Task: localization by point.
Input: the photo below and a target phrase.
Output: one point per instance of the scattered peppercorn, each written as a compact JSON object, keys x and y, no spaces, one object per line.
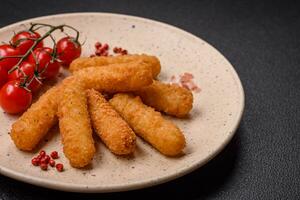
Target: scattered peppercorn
{"x":52,"y":163}
{"x":119,"y":50}
{"x":115,"y":49}
{"x":35,"y":161}
{"x":44,"y":166}
{"x":59,"y":167}
{"x":42,"y":153}
{"x":105,"y":46}
{"x":39,"y":157}
{"x":103,"y":50}
{"x":124,"y":52}
{"x":98,"y":45}
{"x":54,"y":154}
{"x":43,"y":160}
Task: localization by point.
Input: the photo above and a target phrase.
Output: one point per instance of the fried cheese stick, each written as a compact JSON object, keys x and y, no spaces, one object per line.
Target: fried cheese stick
{"x":97,"y":61}
{"x":74,"y":125}
{"x":122,"y":77}
{"x":34,"y":124}
{"x":109,"y":125}
{"x":171,"y":99}
{"x":149,"y":124}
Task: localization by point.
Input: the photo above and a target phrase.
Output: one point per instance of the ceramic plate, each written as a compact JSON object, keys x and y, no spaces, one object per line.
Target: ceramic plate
{"x":211,"y":124}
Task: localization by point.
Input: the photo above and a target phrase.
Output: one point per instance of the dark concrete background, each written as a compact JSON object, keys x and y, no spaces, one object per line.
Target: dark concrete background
{"x":260,"y":39}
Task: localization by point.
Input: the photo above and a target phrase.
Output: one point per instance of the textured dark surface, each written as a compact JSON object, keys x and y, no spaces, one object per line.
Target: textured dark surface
{"x":261,"y":40}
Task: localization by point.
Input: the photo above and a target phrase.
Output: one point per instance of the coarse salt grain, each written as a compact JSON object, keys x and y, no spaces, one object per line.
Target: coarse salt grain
{"x":186,"y":81}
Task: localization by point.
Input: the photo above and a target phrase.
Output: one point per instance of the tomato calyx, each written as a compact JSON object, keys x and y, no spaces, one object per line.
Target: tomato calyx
{"x":46,"y":63}
{"x":28,"y":76}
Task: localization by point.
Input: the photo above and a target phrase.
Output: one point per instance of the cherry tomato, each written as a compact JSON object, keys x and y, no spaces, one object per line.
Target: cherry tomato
{"x":3,"y":76}
{"x":47,"y":67}
{"x":7,"y":50}
{"x":13,"y":98}
{"x":24,"y":40}
{"x":28,"y":69}
{"x":68,"y":49}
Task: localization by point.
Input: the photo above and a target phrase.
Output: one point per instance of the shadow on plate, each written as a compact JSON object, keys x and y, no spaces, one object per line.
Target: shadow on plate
{"x":204,"y":182}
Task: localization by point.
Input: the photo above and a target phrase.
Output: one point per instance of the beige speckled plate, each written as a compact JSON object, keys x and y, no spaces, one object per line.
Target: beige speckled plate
{"x":216,"y":114}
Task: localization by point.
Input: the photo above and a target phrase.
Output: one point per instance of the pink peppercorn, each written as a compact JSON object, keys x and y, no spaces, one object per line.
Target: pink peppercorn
{"x":44,"y":166}
{"x":52,"y":163}
{"x":54,"y":154}
{"x":59,"y":167}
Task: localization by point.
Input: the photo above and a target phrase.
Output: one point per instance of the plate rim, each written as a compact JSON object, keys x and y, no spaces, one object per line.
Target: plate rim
{"x":52,"y":184}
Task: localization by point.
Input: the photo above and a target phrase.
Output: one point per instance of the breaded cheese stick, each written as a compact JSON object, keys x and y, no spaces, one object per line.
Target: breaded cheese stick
{"x":116,"y":78}
{"x":147,"y":123}
{"x":109,"y":125}
{"x":35,"y":123}
{"x":74,"y":125}
{"x":171,"y":99}
{"x":85,"y":62}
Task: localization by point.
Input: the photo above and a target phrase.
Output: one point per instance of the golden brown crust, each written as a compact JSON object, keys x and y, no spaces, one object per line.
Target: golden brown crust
{"x":34,"y":124}
{"x":74,"y":124}
{"x":165,"y":136}
{"x":171,"y":99}
{"x":109,"y":125}
{"x":116,"y":78}
{"x":99,"y":61}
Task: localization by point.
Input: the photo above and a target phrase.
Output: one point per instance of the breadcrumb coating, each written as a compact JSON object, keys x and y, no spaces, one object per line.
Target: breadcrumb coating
{"x":35,"y":123}
{"x":109,"y":125}
{"x":149,"y":124}
{"x":168,"y":98}
{"x":122,"y":77}
{"x":103,"y":61}
{"x":74,"y":124}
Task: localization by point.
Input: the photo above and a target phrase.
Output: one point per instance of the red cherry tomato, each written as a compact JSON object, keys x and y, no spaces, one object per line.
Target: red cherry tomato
{"x":28,"y":69}
{"x":13,"y":98}
{"x":7,"y":50}
{"x":68,"y":49}
{"x":3,"y":76}
{"x":24,"y":40}
{"x":48,"y":67}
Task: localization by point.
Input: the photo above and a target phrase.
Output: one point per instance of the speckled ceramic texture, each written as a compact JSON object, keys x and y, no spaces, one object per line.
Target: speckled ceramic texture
{"x":211,"y":124}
